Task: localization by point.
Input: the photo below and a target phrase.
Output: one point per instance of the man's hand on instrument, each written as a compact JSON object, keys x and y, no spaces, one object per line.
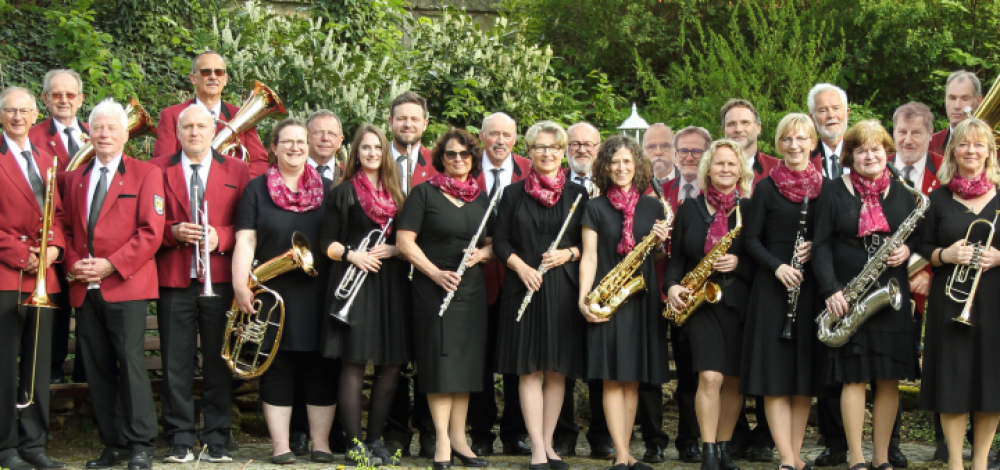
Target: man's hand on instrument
{"x":448,"y":280}
{"x":186,"y":232}
{"x":898,"y":256}
{"x":920,"y":282}
{"x":837,"y":304}
{"x":31,"y":266}
{"x":677,"y":297}
{"x":788,"y":276}
{"x":726,"y":263}
{"x":804,"y":252}
{"x":51,"y":253}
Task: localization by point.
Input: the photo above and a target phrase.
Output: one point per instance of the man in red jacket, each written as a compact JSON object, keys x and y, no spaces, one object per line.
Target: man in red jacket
{"x":208,"y":74}
{"x":113,"y":221}
{"x":408,"y":121}
{"x":741,"y":123}
{"x":962,"y":91}
{"x":193,"y":178}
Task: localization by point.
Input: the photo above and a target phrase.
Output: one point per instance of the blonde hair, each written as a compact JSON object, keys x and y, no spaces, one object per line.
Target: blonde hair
{"x":795,"y":122}
{"x":746,"y":176}
{"x":969,"y":129}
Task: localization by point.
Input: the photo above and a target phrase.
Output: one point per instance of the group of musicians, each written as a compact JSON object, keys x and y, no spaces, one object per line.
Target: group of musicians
{"x":467,"y":259}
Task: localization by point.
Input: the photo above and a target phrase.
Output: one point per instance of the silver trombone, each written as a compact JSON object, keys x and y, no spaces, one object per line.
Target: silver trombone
{"x":354,"y":277}
{"x":203,"y":263}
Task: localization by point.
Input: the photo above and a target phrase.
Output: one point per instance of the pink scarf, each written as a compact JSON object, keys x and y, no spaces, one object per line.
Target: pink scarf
{"x":377,"y":204}
{"x":310,"y":194}
{"x":872,"y":218}
{"x":625,"y":203}
{"x":970,"y":188}
{"x":722,"y":203}
{"x":796,"y":185}
{"x":545,"y":190}
{"x":467,"y":191}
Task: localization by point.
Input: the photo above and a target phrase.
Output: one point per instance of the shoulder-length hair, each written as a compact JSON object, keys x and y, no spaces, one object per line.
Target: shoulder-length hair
{"x":746,"y":176}
{"x":794,"y":122}
{"x":971,"y":129}
{"x":602,"y":165}
{"x":386,"y":169}
{"x":276,"y":136}
{"x":463,"y":137}
{"x":869,"y":131}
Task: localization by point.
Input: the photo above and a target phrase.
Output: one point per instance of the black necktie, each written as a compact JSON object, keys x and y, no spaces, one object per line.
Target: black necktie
{"x":908,"y":173}
{"x":496,"y":181}
{"x":688,"y":190}
{"x":95,"y":207}
{"x":197,"y":190}
{"x":322,"y":170}
{"x":835,"y":170}
{"x":583,"y":180}
{"x":37,"y":186}
{"x":71,"y":146}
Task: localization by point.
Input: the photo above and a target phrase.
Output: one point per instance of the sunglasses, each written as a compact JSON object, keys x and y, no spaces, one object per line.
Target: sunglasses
{"x":453,"y":155}
{"x":208,"y":72}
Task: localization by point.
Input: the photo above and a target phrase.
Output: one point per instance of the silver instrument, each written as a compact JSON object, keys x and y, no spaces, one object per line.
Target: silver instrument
{"x":793,"y":293}
{"x":834,"y":331}
{"x":965,"y":294}
{"x":354,"y":277}
{"x":203,"y":264}
{"x":468,"y":251}
{"x":552,"y":247}
{"x":409,"y":185}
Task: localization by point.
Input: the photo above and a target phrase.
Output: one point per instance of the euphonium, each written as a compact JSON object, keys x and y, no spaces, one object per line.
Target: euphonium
{"x":261,"y":103}
{"x":619,"y":284}
{"x":243,"y":328}
{"x":961,"y":274}
{"x":703,"y":290}
{"x":353,"y":278}
{"x":989,"y":109}
{"x":139,"y":123}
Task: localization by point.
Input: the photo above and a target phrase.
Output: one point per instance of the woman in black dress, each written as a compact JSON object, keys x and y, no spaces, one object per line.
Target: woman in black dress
{"x":715,"y":330}
{"x":961,"y":361}
{"x":437,"y":223}
{"x":288,"y":198}
{"x":630,"y":346}
{"x":545,"y":344}
{"x":784,"y":371}
{"x":856,"y":213}
{"x":378,"y":327}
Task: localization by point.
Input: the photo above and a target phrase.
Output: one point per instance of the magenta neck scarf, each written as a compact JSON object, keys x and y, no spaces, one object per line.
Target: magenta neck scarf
{"x":625,"y":202}
{"x":310,"y":194}
{"x":377,"y":204}
{"x":796,"y":185}
{"x":467,"y":191}
{"x":872,"y":218}
{"x":970,"y":188}
{"x":723,"y":203}
{"x":545,"y":190}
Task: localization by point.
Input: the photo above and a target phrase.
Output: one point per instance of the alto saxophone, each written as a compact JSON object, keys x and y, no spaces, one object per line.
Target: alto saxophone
{"x":697,"y":282}
{"x":834,"y":331}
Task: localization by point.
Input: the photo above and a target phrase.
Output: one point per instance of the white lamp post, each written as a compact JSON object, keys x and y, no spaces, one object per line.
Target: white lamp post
{"x":634,"y":126}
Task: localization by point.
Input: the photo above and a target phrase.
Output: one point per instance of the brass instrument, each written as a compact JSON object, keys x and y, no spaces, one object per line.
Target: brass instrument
{"x":261,"y":103}
{"x":39,"y":297}
{"x":203,"y":264}
{"x":243,"y":328}
{"x":961,"y":273}
{"x":703,"y":290}
{"x":354,"y":277}
{"x":619,"y":284}
{"x":468,"y":251}
{"x":989,"y":109}
{"x":139,"y":124}
{"x":834,"y":331}
{"x":793,"y":293}
{"x":552,"y":247}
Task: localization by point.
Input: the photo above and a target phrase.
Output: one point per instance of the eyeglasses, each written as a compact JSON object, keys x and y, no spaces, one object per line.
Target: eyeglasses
{"x":321,"y":134}
{"x":59,"y":96}
{"x":693,"y":152}
{"x":13,"y":111}
{"x":292,"y":143}
{"x":664,"y":147}
{"x":546,"y":148}
{"x":588,"y":146}
{"x":208,"y":72}
{"x":802,"y":140}
{"x":453,"y":155}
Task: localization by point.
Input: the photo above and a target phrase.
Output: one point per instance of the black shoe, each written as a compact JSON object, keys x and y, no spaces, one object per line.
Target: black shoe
{"x":540,"y":466}
{"x":41,"y":460}
{"x":319,"y":456}
{"x":481,"y":448}
{"x":471,"y":462}
{"x":109,"y":457}
{"x":140,"y":460}
{"x":725,"y":462}
{"x":558,"y":464}
{"x":299,"y":443}
{"x":179,"y":453}
{"x":761,"y":454}
{"x":284,"y":459}
{"x":218,"y":453}
{"x":428,"y":443}
{"x":620,"y":466}
{"x":515,"y":447}
{"x":710,"y":456}
{"x":378,"y":449}
{"x":441,"y":465}
{"x":565,"y":447}
{"x":941,"y":452}
{"x":359,"y":456}
{"x":640,"y":466}
{"x":602,"y":449}
{"x":896,"y":457}
{"x":689,"y":453}
{"x":830,"y":458}
{"x":14,"y":462}
{"x":654,"y":454}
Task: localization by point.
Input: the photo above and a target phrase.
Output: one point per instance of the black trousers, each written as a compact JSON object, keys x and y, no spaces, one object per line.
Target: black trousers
{"x":184,"y":316}
{"x":111,"y":335}
{"x":398,"y":428}
{"x":483,"y":405}
{"x":759,"y":435}
{"x":567,"y":431}
{"x":27,"y":430}
{"x":688,"y":431}
{"x":60,"y":332}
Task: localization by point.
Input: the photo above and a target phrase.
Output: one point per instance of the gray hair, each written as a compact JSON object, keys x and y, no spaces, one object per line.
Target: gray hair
{"x":912,"y":110}
{"x":198,"y":108}
{"x":324,"y":113}
{"x":109,"y":107}
{"x":546,"y":126}
{"x":584,"y":124}
{"x":194,"y":62}
{"x":47,"y":82}
{"x":700,"y":131}
{"x":5,"y":95}
{"x":962,"y":75}
{"x":498,"y":115}
{"x":823,"y":88}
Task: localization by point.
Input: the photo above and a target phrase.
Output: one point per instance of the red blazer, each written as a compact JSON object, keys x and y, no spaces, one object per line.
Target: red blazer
{"x":45,"y":137}
{"x":424,"y":169}
{"x":128,"y":231}
{"x":167,"y":143}
{"x":939,"y":140}
{"x":21,"y":223}
{"x":495,"y":270}
{"x":226,"y":180}
{"x":762,"y":166}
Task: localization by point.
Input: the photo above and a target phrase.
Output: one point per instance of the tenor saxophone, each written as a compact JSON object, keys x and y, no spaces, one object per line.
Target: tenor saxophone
{"x":834,"y":331}
{"x":703,"y":290}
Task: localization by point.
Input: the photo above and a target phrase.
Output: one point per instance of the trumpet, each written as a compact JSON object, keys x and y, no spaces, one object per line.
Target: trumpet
{"x":962,"y":271}
{"x":354,"y":277}
{"x":202,"y":263}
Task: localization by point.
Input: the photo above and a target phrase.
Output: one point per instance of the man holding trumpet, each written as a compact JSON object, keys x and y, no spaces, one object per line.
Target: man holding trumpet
{"x":195,"y":290}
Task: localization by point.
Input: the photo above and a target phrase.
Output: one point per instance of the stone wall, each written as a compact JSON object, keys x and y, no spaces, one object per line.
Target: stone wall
{"x":483,"y":11}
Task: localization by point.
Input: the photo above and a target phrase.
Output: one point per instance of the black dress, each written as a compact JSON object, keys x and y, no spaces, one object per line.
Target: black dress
{"x":632,"y":347}
{"x":773,"y":366}
{"x":303,"y":294}
{"x":550,"y":335}
{"x":961,"y":362}
{"x":380,"y":327}
{"x":882,"y":348}
{"x":715,"y":330}
{"x":450,"y":350}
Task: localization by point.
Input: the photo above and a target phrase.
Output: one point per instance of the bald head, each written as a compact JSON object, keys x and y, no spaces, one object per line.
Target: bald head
{"x":499,"y":134}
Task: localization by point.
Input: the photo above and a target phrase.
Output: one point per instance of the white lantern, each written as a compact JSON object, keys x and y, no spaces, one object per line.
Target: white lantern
{"x":634,"y":126}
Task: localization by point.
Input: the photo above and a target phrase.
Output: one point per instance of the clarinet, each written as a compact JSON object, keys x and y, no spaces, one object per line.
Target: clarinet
{"x":468,"y":251}
{"x":793,"y":293}
{"x":552,"y":247}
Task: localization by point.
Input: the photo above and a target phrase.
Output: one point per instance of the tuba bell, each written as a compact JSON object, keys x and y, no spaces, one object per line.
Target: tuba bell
{"x":261,"y":103}
{"x":139,"y":123}
{"x":245,"y":344}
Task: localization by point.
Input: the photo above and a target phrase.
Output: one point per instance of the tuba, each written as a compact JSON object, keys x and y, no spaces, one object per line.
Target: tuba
{"x":139,"y":123}
{"x":250,"y":330}
{"x":261,"y":103}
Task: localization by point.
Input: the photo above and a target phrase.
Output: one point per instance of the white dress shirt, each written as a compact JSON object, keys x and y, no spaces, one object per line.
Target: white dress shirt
{"x":16,"y":151}
{"x":578,"y":179}
{"x":215,"y":110}
{"x":95,"y":176}
{"x":695,"y":189}
{"x":827,"y":165}
{"x":916,"y":176}
{"x":413,"y":158}
{"x":77,"y":133}
{"x":328,"y":171}
{"x":506,"y":172}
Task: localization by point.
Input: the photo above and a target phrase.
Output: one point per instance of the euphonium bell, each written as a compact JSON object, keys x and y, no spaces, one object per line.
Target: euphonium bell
{"x":261,"y":103}
{"x":139,"y":123}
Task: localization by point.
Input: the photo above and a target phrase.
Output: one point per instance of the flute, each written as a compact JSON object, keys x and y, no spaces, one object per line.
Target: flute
{"x":541,"y":269}
{"x":468,"y":252}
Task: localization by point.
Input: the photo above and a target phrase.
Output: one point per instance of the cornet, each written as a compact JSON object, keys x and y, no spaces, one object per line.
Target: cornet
{"x":202,"y":260}
{"x":961,"y":274}
{"x":353,"y":277}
